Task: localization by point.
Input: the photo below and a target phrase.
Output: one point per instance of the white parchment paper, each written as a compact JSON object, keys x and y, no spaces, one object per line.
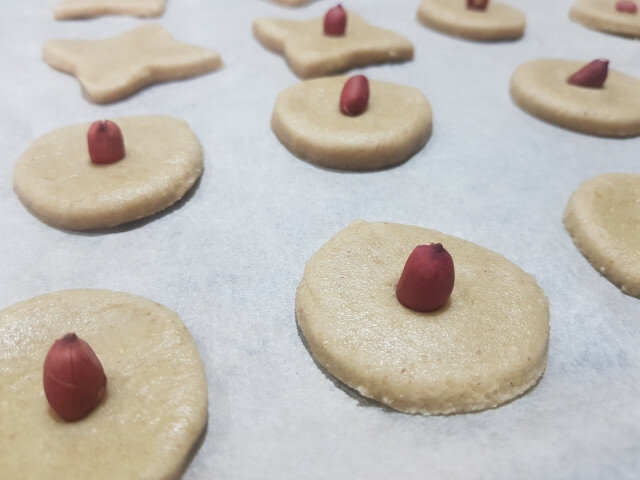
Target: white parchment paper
{"x":228,"y":259}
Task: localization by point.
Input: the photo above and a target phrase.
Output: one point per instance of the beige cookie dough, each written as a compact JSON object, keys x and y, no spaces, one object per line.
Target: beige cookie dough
{"x":69,"y":9}
{"x":292,"y":3}
{"x":310,"y":53}
{"x":156,"y":403}
{"x":540,"y":87}
{"x":56,"y":180}
{"x":603,"y":218}
{"x":395,"y":126}
{"x":602,"y":15}
{"x":115,"y":68}
{"x":497,"y":22}
{"x":486,"y":346}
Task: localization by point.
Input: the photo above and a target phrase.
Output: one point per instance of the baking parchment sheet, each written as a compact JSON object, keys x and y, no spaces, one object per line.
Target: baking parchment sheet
{"x":229,"y":257}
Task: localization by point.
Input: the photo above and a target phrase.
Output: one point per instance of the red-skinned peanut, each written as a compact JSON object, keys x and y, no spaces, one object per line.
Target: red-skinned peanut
{"x":74,"y":380}
{"x":626,"y":6}
{"x":355,"y":96}
{"x":427,"y":280}
{"x":335,"y":22}
{"x":593,"y":75}
{"x":477,"y":4}
{"x":106,"y":144}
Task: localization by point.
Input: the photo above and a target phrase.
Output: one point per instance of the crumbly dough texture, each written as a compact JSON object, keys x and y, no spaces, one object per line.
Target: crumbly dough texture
{"x":310,"y":53}
{"x":602,"y":15}
{"x":497,"y":22}
{"x":603,"y":218}
{"x":57,"y":182}
{"x":156,"y":403}
{"x":487,"y":345}
{"x":116,"y":67}
{"x":540,"y":87}
{"x":69,"y":9}
{"x":308,"y":121}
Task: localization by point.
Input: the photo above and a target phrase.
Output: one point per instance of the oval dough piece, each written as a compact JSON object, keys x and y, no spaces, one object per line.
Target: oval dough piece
{"x":292,"y":3}
{"x":603,"y":218}
{"x":602,"y":15}
{"x":487,"y":345}
{"x":69,"y":9}
{"x":540,"y":87}
{"x":56,"y":180}
{"x":497,"y":22}
{"x":156,"y":403}
{"x":395,"y":126}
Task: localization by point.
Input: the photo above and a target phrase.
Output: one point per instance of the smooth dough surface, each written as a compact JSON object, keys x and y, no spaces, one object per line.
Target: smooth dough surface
{"x":486,"y":346}
{"x":68,"y":9}
{"x":156,"y":403}
{"x":603,"y":218}
{"x":540,"y":87}
{"x":497,"y":22}
{"x":602,"y":15}
{"x":56,"y":180}
{"x":117,"y":67}
{"x":310,"y":53}
{"x":292,"y":3}
{"x":395,"y":126}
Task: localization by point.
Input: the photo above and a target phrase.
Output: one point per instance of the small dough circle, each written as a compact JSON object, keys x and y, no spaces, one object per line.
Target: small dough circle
{"x":540,"y":87}
{"x":602,"y":15}
{"x":395,"y":126}
{"x":156,"y":403}
{"x":487,"y":345}
{"x":603,"y":218}
{"x":497,"y":22}
{"x":57,"y":182}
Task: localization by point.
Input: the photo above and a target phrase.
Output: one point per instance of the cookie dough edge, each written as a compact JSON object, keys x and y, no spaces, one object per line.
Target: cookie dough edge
{"x":62,"y":11}
{"x":593,"y":22}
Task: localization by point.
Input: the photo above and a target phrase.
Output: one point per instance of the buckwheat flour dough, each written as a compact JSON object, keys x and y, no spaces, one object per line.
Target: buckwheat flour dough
{"x":540,"y":87}
{"x":156,"y":403}
{"x":602,"y":15}
{"x":56,"y":180}
{"x":483,"y":348}
{"x":395,"y":126}
{"x":603,"y":218}
{"x":310,"y":53}
{"x":68,"y":9}
{"x":497,"y":22}
{"x":116,"y":67}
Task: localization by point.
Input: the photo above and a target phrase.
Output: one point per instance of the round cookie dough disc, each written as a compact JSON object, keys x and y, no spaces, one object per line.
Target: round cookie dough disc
{"x":602,"y":15}
{"x":487,"y":345}
{"x":497,"y":22}
{"x":395,"y":126}
{"x":156,"y":403}
{"x":540,"y":87}
{"x":603,"y":218}
{"x":56,"y":180}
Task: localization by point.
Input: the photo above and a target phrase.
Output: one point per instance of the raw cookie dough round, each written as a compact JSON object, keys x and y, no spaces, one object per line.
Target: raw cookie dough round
{"x":487,"y":345}
{"x":602,"y":15}
{"x":56,"y":180}
{"x":395,"y":126}
{"x":292,"y":3}
{"x":497,"y":22}
{"x":540,"y":87}
{"x":69,"y":9}
{"x":603,"y":218}
{"x":156,"y":403}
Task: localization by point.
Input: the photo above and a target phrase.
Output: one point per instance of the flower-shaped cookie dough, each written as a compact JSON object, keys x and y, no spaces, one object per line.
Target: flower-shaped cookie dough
{"x":115,"y":68}
{"x":618,"y":18}
{"x":311,"y":53}
{"x":68,"y":9}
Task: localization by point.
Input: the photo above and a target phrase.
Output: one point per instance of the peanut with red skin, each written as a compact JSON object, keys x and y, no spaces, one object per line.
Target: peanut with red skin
{"x":355,"y":96}
{"x":105,"y":141}
{"x":592,"y":75}
{"x":335,"y":22}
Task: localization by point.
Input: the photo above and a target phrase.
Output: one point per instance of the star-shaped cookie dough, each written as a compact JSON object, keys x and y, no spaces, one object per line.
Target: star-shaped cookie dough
{"x":68,"y":9}
{"x":311,"y":53}
{"x":115,"y":68}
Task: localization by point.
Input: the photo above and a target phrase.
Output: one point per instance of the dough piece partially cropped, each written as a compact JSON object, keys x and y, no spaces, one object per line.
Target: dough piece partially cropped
{"x":156,"y":403}
{"x":497,"y":22}
{"x":69,"y":9}
{"x":395,"y":126}
{"x":56,"y":180}
{"x":603,"y":218}
{"x":310,"y":53}
{"x":602,"y":15}
{"x":117,"y":67}
{"x":292,"y":3}
{"x":487,"y":345}
{"x":540,"y":87}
